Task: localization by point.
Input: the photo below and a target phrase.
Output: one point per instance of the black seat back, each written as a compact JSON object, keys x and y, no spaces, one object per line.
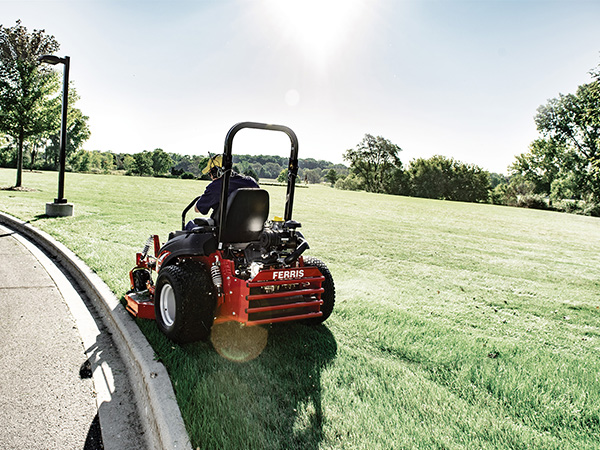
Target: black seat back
{"x":247,"y":211}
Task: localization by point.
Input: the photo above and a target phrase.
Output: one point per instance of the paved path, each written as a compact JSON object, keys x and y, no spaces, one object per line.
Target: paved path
{"x":60,"y":376}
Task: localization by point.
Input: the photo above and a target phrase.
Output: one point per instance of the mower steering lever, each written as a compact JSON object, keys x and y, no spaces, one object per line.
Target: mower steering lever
{"x":187,"y":208}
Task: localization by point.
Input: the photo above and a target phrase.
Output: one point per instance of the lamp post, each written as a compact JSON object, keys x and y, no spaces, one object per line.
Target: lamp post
{"x":60,"y":207}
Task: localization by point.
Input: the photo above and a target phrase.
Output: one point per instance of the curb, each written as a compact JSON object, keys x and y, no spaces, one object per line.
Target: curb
{"x":157,"y":407}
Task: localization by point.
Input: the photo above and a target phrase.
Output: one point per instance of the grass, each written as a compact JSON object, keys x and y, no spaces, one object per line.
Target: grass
{"x":457,"y":326}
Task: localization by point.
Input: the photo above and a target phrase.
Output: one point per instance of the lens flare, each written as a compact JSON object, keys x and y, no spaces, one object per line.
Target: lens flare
{"x":292,"y":97}
{"x":237,"y":342}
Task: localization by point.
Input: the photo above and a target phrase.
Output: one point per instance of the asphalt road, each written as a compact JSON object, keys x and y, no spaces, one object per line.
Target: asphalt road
{"x":62,"y":385}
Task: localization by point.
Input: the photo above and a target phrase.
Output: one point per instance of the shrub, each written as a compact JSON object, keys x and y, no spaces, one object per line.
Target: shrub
{"x":533,"y":201}
{"x":187,"y":176}
{"x":498,"y":195}
{"x":350,"y":183}
{"x":591,"y":209}
{"x":568,"y":206}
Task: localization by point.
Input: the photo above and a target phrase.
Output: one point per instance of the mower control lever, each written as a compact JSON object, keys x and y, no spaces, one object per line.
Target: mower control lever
{"x":187,"y":208}
{"x":292,"y":224}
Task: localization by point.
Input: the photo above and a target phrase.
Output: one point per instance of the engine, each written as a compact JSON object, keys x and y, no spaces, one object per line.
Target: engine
{"x":280,"y":245}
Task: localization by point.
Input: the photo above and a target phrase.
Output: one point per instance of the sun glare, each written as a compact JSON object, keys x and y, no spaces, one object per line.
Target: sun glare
{"x":317,"y":27}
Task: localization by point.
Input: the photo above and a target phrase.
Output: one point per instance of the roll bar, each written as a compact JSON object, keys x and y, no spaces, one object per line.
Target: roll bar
{"x":228,"y":164}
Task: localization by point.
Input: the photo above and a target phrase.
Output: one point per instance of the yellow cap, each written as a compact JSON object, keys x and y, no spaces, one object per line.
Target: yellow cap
{"x":277,"y":219}
{"x":215,"y":161}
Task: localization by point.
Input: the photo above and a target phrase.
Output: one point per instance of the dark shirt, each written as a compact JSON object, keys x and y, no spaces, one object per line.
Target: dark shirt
{"x":211,"y":198}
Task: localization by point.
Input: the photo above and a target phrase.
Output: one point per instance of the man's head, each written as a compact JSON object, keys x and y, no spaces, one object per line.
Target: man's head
{"x":214,"y":167}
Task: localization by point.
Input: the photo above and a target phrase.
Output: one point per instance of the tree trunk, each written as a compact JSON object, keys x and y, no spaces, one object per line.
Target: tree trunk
{"x":19,"y":161}
{"x":33,"y":155}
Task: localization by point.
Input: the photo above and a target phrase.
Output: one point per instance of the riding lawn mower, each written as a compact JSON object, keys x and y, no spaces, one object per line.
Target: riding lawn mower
{"x":242,"y":268}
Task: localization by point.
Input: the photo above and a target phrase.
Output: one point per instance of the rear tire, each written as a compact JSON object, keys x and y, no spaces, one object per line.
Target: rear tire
{"x":328,"y":296}
{"x":184,"y":302}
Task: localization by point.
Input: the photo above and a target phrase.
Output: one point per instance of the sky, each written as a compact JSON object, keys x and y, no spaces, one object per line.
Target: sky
{"x":456,"y":78}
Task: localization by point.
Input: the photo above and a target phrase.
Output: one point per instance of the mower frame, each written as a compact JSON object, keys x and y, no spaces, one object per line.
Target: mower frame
{"x":260,"y":282}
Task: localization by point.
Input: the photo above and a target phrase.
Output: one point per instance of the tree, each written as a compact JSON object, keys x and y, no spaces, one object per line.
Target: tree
{"x":570,"y":125}
{"x":78,"y":132}
{"x":469,"y":183}
{"x":5,"y":153}
{"x":446,"y":179}
{"x":251,"y":173}
{"x":374,"y":160}
{"x":26,"y":106}
{"x":142,"y":164}
{"x":270,"y":170}
{"x":283,"y":176}
{"x":108,"y":162}
{"x":349,"y":183}
{"x":429,"y":177}
{"x":81,"y":161}
{"x":542,"y":164}
{"x":331,"y":177}
{"x":128,"y":164}
{"x":313,"y":176}
{"x":161,"y":162}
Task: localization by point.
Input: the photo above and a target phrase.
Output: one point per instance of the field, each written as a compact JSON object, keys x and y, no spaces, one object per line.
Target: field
{"x":457,"y":326}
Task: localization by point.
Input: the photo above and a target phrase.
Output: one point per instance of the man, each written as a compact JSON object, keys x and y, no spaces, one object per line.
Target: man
{"x":211,"y":198}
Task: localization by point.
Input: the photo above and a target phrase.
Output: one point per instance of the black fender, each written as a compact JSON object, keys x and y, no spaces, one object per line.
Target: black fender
{"x":186,"y":244}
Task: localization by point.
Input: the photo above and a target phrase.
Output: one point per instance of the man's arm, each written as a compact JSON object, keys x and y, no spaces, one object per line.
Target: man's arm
{"x":209,"y":199}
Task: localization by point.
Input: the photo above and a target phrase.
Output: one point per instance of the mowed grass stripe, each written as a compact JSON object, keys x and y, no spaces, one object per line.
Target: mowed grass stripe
{"x":456,"y":325}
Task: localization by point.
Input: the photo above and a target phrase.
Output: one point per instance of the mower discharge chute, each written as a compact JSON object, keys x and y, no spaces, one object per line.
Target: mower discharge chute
{"x":244,"y":269}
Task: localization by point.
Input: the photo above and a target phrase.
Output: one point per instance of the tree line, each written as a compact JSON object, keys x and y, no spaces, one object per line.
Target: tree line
{"x":159,"y":163}
{"x":375,"y":166}
{"x":561,"y":169}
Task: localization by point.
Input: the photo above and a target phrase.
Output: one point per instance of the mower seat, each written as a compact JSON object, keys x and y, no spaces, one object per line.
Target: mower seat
{"x":247,"y":212}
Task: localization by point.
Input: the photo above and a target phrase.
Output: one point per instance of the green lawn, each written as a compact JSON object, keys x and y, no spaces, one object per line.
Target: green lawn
{"x":457,"y":326}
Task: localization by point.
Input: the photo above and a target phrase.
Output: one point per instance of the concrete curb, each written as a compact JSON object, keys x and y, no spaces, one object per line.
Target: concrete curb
{"x":157,"y":406}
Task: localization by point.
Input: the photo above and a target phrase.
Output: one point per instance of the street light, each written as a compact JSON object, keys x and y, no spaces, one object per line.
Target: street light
{"x":60,"y":207}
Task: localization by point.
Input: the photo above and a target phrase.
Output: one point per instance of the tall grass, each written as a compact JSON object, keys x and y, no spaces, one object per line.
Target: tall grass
{"x":457,"y":326}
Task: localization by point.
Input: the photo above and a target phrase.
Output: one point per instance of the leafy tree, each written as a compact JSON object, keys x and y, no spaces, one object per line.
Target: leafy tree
{"x":373,"y":161}
{"x":313,"y":176}
{"x":469,"y":183}
{"x":78,"y":132}
{"x":331,"y":177}
{"x":6,"y":157}
{"x":26,"y":106}
{"x":497,"y":179}
{"x":34,"y":144}
{"x":142,"y":164}
{"x":270,"y":170}
{"x":251,"y":173}
{"x":81,"y":161}
{"x":446,"y":179}
{"x":309,"y":163}
{"x":128,"y":164}
{"x":570,"y":125}
{"x":564,"y":187}
{"x":349,"y":183}
{"x":283,"y":176}
{"x":429,"y":177}
{"x":161,"y":162}
{"x":542,"y":164}
{"x":108,"y":162}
